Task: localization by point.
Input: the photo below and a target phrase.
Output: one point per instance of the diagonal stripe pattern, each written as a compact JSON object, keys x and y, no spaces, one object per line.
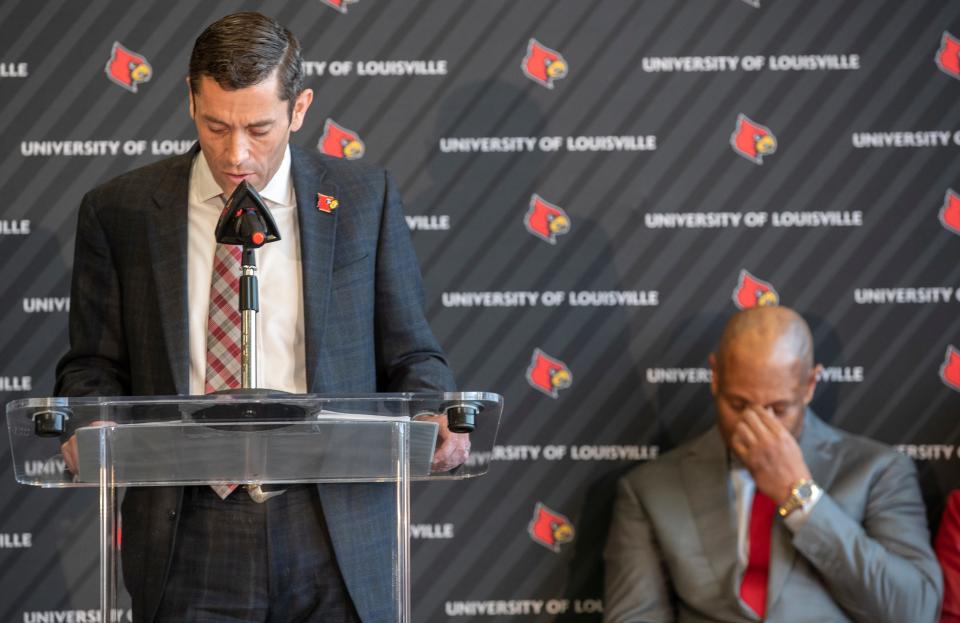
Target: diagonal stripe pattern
{"x":223,"y":321}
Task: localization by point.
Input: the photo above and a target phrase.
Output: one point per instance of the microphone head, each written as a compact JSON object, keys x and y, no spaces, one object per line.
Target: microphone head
{"x":246,"y":220}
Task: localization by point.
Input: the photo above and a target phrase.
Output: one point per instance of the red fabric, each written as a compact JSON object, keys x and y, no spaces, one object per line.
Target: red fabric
{"x":947,"y":546}
{"x":753,"y":588}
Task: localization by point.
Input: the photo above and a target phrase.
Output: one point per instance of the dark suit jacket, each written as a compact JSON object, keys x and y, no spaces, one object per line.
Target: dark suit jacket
{"x":364,"y":327}
{"x":863,"y":554}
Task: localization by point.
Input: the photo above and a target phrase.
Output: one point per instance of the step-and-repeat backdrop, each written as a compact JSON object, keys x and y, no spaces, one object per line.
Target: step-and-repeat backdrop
{"x":592,"y":189}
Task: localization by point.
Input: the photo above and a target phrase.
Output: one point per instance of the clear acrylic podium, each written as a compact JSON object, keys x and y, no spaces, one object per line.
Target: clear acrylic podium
{"x":248,"y":439}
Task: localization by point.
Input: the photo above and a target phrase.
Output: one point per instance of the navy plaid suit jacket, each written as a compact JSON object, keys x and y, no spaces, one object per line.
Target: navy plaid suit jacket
{"x":364,"y":327}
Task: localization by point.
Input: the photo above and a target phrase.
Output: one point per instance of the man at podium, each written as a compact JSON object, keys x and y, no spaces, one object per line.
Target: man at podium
{"x":342,"y":311}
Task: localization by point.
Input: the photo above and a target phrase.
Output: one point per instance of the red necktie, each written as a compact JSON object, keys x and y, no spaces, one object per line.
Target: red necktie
{"x":223,"y":329}
{"x":753,"y":588}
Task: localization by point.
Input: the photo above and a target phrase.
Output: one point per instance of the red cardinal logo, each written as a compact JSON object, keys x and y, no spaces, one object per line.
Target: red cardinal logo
{"x":547,"y":374}
{"x":126,"y":68}
{"x":340,"y":142}
{"x":948,"y":56}
{"x":326,"y":203}
{"x":950,"y":370}
{"x":340,"y":5}
{"x":549,"y":528}
{"x":545,"y":220}
{"x":950,"y":212}
{"x":753,"y":292}
{"x":752,"y":140}
{"x":543,"y":65}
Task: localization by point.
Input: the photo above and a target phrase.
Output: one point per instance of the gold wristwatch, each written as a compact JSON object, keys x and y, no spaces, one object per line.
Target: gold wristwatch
{"x":801,"y":494}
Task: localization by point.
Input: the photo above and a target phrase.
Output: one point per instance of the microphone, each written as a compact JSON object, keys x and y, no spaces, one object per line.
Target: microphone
{"x":246,"y":220}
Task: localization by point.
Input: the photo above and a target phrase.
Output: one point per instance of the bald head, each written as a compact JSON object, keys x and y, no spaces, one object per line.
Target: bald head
{"x":764,"y":363}
{"x":775,"y":332}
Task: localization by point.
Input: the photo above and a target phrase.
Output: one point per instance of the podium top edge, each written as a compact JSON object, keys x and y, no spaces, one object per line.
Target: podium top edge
{"x":279,"y":397}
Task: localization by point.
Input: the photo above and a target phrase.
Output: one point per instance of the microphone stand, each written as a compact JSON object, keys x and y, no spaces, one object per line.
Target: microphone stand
{"x":249,"y":308}
{"x":246,"y":221}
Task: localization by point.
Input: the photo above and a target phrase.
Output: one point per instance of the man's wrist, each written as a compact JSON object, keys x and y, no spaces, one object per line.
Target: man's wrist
{"x":803,"y":495}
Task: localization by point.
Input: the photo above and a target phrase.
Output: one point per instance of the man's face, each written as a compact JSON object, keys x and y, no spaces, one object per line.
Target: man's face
{"x":773,"y":382}
{"x":243,"y":133}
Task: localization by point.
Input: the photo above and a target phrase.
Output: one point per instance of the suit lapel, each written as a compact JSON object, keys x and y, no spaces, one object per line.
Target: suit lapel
{"x":317,"y":238}
{"x":818,"y":455}
{"x":706,"y":480}
{"x":167,"y":241}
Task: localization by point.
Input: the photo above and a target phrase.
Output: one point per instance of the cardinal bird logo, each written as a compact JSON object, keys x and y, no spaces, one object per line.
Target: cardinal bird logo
{"x":547,"y":374}
{"x":126,"y":68}
{"x":753,"y":292}
{"x":950,"y":370}
{"x":340,"y":5}
{"x":545,"y":220}
{"x":752,"y":140}
{"x":948,"y":56}
{"x":549,"y":528}
{"x":543,"y":65}
{"x":326,"y":203}
{"x":339,"y":142}
{"x":950,"y":212}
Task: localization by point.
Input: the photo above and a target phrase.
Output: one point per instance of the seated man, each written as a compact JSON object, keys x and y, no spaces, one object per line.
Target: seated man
{"x":772,"y":514}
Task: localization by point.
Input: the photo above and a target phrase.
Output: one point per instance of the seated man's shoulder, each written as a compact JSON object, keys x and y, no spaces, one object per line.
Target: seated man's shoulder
{"x":859,"y":450}
{"x":665,"y":468}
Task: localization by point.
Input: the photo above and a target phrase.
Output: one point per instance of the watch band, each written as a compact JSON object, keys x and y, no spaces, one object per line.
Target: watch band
{"x":801,"y":494}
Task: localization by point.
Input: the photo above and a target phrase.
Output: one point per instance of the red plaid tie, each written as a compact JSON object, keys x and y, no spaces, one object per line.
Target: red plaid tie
{"x":223,"y":321}
{"x":223,"y":329}
{"x":753,"y":588}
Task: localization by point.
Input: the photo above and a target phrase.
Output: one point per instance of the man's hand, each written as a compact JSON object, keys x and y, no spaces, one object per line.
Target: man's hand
{"x":452,"y":448}
{"x":69,"y":448}
{"x":770,"y":452}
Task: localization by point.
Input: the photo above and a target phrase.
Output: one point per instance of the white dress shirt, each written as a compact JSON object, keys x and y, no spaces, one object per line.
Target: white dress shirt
{"x":281,"y":358}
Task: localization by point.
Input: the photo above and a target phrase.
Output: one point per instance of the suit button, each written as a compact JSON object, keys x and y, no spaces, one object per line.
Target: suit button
{"x":172,"y":514}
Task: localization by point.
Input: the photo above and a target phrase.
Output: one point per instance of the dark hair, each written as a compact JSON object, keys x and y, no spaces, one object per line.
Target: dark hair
{"x":242,"y":50}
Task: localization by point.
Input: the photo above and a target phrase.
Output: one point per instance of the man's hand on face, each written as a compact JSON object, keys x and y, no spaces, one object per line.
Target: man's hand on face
{"x":769,"y":452}
{"x":452,"y":448}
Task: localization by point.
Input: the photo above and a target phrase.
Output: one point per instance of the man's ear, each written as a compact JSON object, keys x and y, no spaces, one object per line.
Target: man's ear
{"x":811,"y":383}
{"x":300,"y":106}
{"x":190,"y":104}
{"x":714,"y":374}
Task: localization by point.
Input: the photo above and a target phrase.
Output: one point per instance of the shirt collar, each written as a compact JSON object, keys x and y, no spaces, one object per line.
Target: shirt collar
{"x":279,"y":189}
{"x":203,"y":187}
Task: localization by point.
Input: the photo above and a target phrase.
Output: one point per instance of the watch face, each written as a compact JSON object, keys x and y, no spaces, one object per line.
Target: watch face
{"x":805,"y":490}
